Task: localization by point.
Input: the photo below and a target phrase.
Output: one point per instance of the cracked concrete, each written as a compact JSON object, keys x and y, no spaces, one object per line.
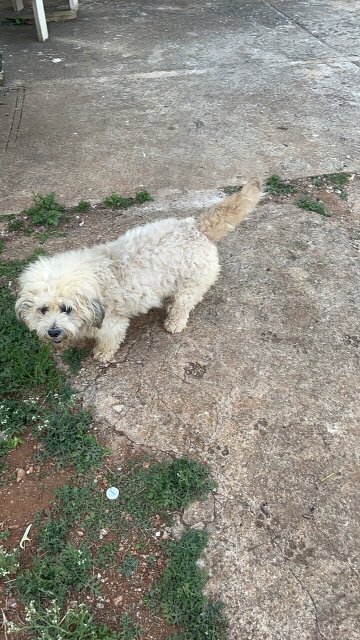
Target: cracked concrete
{"x":183,"y":97}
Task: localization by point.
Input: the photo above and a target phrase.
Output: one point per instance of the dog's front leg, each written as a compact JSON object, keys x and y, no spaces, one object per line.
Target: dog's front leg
{"x":109,"y":338}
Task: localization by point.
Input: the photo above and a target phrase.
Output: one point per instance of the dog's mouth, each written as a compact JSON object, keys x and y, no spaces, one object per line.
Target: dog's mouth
{"x":58,"y":339}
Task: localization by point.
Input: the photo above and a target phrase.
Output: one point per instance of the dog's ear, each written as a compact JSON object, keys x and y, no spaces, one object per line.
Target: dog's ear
{"x":97,"y":312}
{"x":22,"y":307}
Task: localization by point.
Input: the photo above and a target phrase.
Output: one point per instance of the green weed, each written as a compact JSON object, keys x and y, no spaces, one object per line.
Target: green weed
{"x":179,"y":592}
{"x":128,"y":565}
{"x":76,"y":623}
{"x":105,"y":556}
{"x":64,"y":432}
{"x":4,"y":534}
{"x":2,"y":246}
{"x":51,"y":577}
{"x":15,"y":224}
{"x":128,"y":629}
{"x":45,"y":211}
{"x":83,"y":207}
{"x":277,"y":186}
{"x":338,"y":180}
{"x":312,"y":205}
{"x":73,"y":357}
{"x":114,"y":201}
{"x":9,"y":562}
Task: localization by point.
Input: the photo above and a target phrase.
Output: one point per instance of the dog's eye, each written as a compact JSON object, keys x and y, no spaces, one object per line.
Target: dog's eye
{"x":65,"y":309}
{"x":44,"y":310}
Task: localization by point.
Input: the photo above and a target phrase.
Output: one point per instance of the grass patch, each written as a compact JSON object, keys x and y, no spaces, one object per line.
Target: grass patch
{"x":46,"y":211}
{"x":9,"y":562}
{"x":128,"y":565}
{"x":276,"y":186}
{"x":77,"y":623}
{"x":15,"y":224}
{"x":51,"y":577}
{"x":312,"y":205}
{"x":128,"y":629}
{"x":179,"y":593}
{"x":115,"y":201}
{"x":74,"y":356}
{"x":82,"y":207}
{"x":338,"y":180}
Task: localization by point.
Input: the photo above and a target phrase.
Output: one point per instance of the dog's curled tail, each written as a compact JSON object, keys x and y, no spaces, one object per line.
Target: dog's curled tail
{"x":224,"y":217}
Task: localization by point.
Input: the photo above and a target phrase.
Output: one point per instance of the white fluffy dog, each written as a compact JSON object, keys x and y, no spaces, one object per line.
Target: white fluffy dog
{"x":93,"y":292}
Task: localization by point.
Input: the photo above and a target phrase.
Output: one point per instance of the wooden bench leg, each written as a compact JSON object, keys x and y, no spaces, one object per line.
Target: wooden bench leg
{"x":40,"y":20}
{"x":18,"y":5}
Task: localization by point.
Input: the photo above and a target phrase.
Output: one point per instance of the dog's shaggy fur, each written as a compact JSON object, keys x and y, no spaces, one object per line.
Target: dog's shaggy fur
{"x":93,"y":292}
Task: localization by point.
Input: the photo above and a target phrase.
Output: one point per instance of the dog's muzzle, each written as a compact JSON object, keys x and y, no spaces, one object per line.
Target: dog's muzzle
{"x":56,"y":335}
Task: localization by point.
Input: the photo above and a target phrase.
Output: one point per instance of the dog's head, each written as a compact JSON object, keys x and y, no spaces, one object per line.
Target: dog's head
{"x":58,"y":297}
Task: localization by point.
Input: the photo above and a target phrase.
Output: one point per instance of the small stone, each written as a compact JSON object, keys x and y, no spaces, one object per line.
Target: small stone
{"x":103,"y":532}
{"x":80,"y":533}
{"x":30,"y":470}
{"x":117,"y":600}
{"x":20,"y":475}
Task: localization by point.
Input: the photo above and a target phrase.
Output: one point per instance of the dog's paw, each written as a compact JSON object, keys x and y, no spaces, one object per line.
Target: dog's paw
{"x":173,"y":325}
{"x":105,"y":357}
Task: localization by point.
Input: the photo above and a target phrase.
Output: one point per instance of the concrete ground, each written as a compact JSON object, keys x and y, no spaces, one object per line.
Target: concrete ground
{"x":184,"y":97}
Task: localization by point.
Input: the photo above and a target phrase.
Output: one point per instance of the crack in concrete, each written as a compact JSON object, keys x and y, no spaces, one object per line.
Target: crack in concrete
{"x":308,"y":592}
{"x":310,"y":33}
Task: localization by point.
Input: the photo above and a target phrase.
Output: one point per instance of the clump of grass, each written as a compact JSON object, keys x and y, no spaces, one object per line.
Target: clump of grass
{"x":143,"y":196}
{"x":51,"y":577}
{"x":82,"y":207}
{"x":179,"y":592}
{"x":173,"y":485}
{"x":128,"y":629}
{"x":338,"y":180}
{"x":64,"y":432}
{"x":74,"y":356}
{"x":9,"y":562}
{"x":128,"y":565}
{"x":312,"y":205}
{"x":4,"y":534}
{"x":105,"y":556}
{"x":2,"y":246}
{"x":46,"y":211}
{"x":276,"y":186}
{"x":77,"y":623}
{"x":114,"y":201}
{"x":15,"y":224}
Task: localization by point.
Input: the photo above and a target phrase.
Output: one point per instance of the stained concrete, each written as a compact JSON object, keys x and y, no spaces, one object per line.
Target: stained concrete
{"x":185,"y":95}
{"x":263,"y":384}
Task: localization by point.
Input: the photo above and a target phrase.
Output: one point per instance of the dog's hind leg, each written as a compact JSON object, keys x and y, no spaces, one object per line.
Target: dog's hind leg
{"x":184,"y":301}
{"x":109,"y":338}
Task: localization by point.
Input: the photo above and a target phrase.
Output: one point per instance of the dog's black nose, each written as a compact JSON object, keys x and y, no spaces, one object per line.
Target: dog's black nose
{"x":54,"y":333}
